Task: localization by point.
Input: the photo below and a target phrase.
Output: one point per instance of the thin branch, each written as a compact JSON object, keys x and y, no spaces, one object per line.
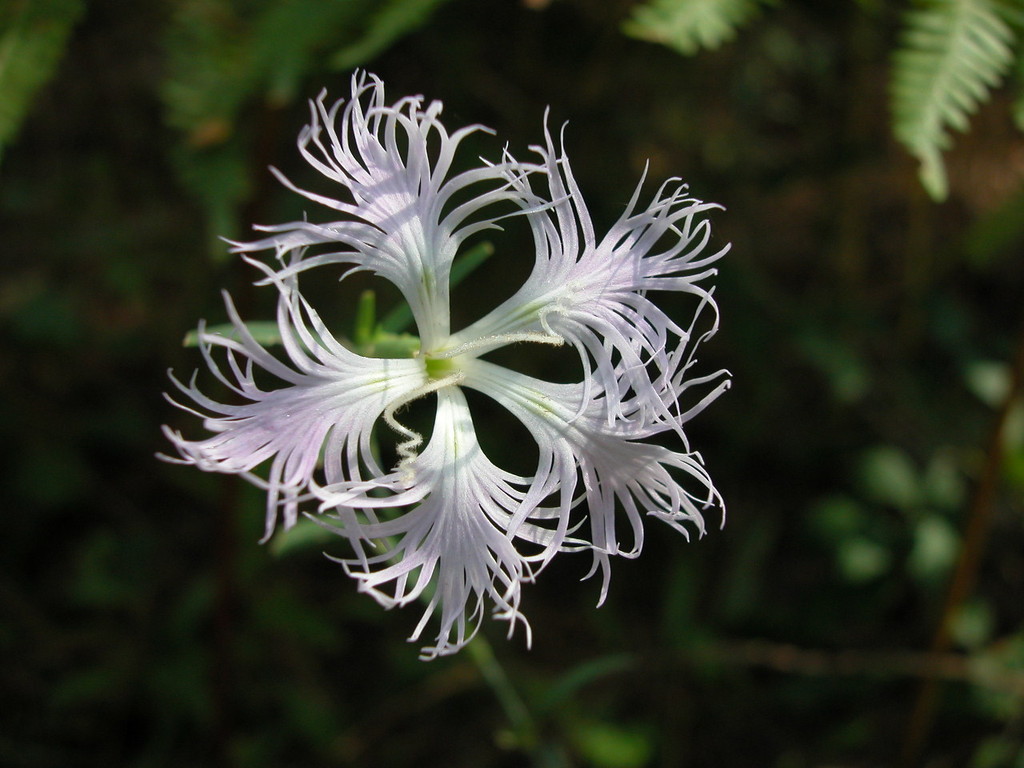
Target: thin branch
{"x":791,"y":659}
{"x":979,"y":522}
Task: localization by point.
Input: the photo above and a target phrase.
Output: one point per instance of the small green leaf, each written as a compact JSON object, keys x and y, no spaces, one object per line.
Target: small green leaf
{"x":305,"y":534}
{"x":890,"y":477}
{"x":266,"y":332}
{"x":366,"y":319}
{"x":469,"y":261}
{"x":578,"y":677}
{"x":399,"y":318}
{"x":973,"y":624}
{"x":936,"y":543}
{"x":944,"y":484}
{"x":933,"y":174}
{"x":392,"y":345}
{"x":393,"y":19}
{"x":605,"y":745}
{"x":861,"y":560}
{"x":989,"y":380}
{"x":839,"y":362}
{"x":834,"y":518}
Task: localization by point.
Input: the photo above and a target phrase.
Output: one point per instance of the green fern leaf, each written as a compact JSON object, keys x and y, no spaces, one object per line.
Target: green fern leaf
{"x":690,"y":25}
{"x":222,"y":54}
{"x":1018,"y":102}
{"x":390,"y":21}
{"x":952,"y":54}
{"x":32,"y":38}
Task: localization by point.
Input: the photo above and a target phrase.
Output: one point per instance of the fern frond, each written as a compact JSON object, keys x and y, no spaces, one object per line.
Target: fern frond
{"x":1018,"y":102}
{"x":690,"y":25}
{"x":391,"y":20}
{"x":953,"y":52}
{"x":33,"y":34}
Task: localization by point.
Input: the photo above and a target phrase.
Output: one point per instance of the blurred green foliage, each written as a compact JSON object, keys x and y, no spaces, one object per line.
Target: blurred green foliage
{"x":691,"y":26}
{"x":226,"y":58}
{"x":871,"y":334}
{"x":950,"y":56}
{"x":33,"y":34}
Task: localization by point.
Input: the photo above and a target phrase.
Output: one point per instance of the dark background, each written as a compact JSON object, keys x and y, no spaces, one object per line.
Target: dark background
{"x":871,"y":333}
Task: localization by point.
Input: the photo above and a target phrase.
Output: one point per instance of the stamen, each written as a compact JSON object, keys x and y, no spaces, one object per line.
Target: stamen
{"x":499,"y":340}
{"x":407,"y":448}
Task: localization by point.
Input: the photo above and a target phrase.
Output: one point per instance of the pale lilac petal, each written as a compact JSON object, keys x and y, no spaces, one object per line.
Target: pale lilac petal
{"x":324,"y":412}
{"x":591,"y":292}
{"x":394,"y":163}
{"x":617,"y":471}
{"x":452,"y":548}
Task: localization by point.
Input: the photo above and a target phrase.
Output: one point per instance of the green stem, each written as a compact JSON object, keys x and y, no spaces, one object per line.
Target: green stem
{"x":494,"y":674}
{"x":519,"y":716}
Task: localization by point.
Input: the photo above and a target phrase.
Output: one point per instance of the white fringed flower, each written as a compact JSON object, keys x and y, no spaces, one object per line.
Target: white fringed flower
{"x":445,"y":525}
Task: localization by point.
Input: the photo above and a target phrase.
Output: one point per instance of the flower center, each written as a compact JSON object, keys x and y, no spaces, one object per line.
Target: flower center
{"x":440,"y":367}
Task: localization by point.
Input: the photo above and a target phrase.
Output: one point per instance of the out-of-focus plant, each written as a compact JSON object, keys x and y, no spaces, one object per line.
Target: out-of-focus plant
{"x":950,"y":57}
{"x":33,"y":34}
{"x":223,"y":53}
{"x":690,"y":26}
{"x":952,"y":54}
{"x":226,"y":58}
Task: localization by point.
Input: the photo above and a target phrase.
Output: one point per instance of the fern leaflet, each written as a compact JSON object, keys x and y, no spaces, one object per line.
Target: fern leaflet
{"x":33,"y":34}
{"x":953,"y":52}
{"x":690,"y":25}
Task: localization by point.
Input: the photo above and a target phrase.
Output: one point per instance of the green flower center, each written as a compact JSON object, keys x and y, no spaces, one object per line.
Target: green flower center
{"x":439,"y":367}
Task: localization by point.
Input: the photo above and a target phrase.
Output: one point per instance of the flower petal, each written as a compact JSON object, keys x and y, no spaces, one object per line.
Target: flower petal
{"x":592,"y":293}
{"x":394,"y":162}
{"x":331,"y":399}
{"x":453,"y":548}
{"x":615,"y":467}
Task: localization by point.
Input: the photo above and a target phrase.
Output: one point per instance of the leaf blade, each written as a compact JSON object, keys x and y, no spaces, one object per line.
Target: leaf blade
{"x":689,"y":26}
{"x":33,"y":36}
{"x":953,"y":52}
